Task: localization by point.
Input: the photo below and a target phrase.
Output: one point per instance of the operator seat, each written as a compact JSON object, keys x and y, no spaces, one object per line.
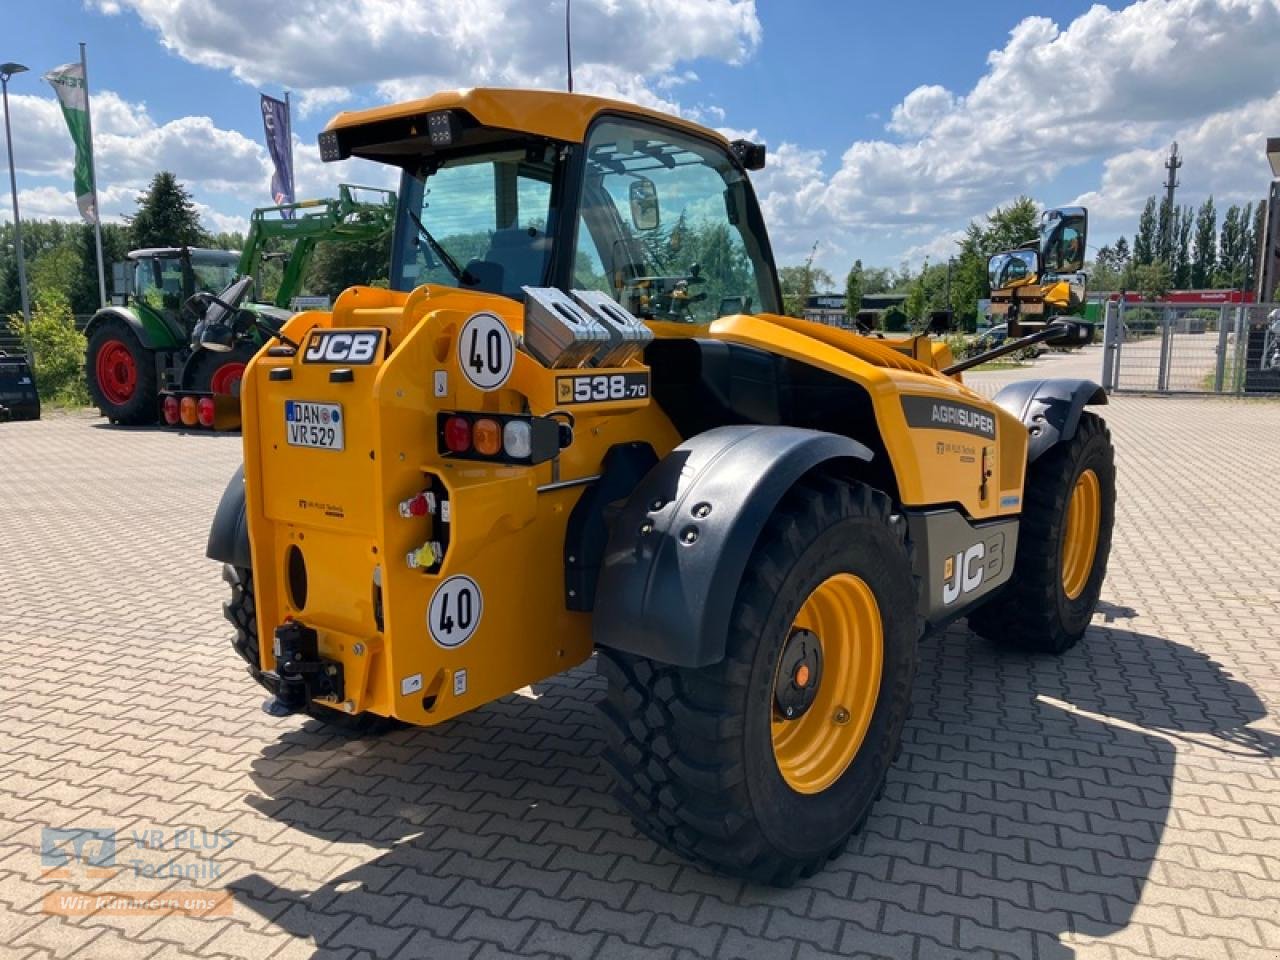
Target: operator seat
{"x":517,"y":257}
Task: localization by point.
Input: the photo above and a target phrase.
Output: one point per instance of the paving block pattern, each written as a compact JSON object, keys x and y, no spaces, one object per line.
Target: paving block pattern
{"x":1120,"y":802}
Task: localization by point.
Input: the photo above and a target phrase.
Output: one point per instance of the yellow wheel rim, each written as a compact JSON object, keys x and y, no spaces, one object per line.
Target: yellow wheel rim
{"x":1080,"y":539}
{"x":813,"y":750}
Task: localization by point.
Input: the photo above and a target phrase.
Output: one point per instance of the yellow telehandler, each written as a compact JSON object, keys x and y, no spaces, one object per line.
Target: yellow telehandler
{"x":578,"y":422}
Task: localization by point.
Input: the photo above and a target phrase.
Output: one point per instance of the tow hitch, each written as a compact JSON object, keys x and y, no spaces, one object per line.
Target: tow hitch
{"x":301,"y":675}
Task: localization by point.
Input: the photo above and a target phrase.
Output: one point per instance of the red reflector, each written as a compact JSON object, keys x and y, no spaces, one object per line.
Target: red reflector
{"x":171,"y":410}
{"x":204,"y":410}
{"x":457,"y":434}
{"x":187,"y":410}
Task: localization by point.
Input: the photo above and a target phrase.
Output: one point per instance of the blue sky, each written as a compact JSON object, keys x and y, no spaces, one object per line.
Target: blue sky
{"x":890,"y":126}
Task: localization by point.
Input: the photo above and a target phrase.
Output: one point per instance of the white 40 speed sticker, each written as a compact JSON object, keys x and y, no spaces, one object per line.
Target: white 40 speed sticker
{"x":455,"y":611}
{"x":602,"y":387}
{"x":486,"y":351}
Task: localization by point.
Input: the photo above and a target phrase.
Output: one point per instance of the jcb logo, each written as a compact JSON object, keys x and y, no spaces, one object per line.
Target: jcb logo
{"x":343,"y":346}
{"x":967,"y":570}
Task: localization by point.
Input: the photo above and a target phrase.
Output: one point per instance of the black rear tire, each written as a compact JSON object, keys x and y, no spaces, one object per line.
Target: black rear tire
{"x":203,"y":366}
{"x":1033,"y":612}
{"x":241,"y":612}
{"x":142,"y":404}
{"x":690,"y":750}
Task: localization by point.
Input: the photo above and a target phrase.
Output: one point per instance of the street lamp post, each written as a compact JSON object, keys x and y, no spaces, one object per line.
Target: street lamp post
{"x":7,"y":70}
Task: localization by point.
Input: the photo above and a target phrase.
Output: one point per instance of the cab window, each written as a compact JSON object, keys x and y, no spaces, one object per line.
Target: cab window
{"x":489,"y":215}
{"x":662,"y":226}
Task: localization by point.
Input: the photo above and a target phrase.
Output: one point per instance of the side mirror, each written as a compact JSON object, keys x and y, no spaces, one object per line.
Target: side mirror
{"x":1063,"y":233}
{"x":1077,"y":333}
{"x":1013,"y":268}
{"x":120,"y":276}
{"x":644,"y":204}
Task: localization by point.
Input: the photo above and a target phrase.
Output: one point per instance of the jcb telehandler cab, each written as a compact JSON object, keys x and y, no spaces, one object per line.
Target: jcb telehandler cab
{"x":578,"y":422}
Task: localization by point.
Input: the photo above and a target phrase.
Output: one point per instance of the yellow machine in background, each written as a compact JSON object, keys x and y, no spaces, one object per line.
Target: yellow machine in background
{"x":579,"y":422}
{"x":1042,"y":279}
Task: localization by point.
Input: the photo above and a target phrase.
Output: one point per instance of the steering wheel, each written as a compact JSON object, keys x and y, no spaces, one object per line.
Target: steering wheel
{"x":204,"y":301}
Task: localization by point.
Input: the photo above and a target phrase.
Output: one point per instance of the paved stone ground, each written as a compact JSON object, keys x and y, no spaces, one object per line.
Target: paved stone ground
{"x":1121,"y":802}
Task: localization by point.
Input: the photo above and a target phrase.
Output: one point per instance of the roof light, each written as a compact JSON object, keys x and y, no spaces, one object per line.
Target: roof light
{"x":440,"y":127}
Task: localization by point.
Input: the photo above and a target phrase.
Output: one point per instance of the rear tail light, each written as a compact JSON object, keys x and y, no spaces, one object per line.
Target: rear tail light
{"x":486,"y":436}
{"x":187,"y":411}
{"x":205,"y":411}
{"x":517,"y":439}
{"x":171,"y":410}
{"x":501,"y":438}
{"x":457,"y":434}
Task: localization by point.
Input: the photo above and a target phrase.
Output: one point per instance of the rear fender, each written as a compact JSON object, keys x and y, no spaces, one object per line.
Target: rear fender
{"x":229,"y":536}
{"x":1050,"y":408}
{"x":151,"y":333}
{"x":678,"y":549}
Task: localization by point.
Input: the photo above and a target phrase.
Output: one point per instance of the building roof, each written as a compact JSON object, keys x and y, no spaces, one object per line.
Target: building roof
{"x":546,"y":113}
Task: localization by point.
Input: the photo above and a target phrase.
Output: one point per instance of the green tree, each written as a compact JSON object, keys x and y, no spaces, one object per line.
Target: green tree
{"x":800,"y":283}
{"x":166,"y":216}
{"x":853,"y":291}
{"x":917,"y":297}
{"x":876,"y":280}
{"x":336,"y":266}
{"x":1105,"y":272}
{"x":56,"y":344}
{"x":1205,"y":253}
{"x":1011,"y":226}
{"x":1144,"y":241}
{"x":1181,"y":263}
{"x":1152,"y":280}
{"x":1230,"y":242}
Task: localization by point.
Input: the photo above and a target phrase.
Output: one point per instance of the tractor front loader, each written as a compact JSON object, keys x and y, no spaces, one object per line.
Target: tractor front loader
{"x":578,"y":422}
{"x":147,"y":359}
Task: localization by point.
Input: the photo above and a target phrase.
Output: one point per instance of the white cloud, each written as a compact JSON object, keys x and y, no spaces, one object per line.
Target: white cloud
{"x":318,"y":98}
{"x":1222,"y":155}
{"x":618,"y":47}
{"x":1113,"y":85}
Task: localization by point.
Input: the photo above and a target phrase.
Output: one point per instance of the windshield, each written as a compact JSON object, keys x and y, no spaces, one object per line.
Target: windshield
{"x":213,"y":275}
{"x":481,"y":221}
{"x":159,"y":282}
{"x":664,"y":226}
{"x":1006,"y":268}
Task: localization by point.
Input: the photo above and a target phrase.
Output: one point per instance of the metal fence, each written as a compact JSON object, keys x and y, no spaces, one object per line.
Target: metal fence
{"x":1183,"y":348}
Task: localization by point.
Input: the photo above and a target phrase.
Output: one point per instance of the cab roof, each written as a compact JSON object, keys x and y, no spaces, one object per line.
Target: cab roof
{"x":196,"y":252}
{"x":545,"y":113}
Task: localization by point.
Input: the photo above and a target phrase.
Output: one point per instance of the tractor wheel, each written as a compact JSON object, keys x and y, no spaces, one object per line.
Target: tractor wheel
{"x":764,"y":764}
{"x":242,"y":613}
{"x":121,"y":374}
{"x":1064,"y":539}
{"x":211,"y":372}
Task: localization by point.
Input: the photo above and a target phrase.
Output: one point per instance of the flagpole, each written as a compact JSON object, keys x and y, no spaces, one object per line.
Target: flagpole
{"x":288,"y":137}
{"x":93,"y":180}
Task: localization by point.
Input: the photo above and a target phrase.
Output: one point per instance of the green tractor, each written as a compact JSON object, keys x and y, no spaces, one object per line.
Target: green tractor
{"x":144,"y":354}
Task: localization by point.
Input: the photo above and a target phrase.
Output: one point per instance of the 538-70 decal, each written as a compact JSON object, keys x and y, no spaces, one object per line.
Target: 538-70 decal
{"x":602,"y":387}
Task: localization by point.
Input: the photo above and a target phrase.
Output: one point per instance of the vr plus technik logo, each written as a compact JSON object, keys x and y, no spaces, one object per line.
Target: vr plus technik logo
{"x":91,"y":848}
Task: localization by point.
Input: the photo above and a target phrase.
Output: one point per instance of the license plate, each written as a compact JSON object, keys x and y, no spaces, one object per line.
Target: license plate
{"x":313,"y":424}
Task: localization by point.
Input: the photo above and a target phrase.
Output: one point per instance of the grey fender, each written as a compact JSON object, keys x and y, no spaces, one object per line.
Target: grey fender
{"x":229,"y":536}
{"x":678,"y":549}
{"x":1050,"y":408}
